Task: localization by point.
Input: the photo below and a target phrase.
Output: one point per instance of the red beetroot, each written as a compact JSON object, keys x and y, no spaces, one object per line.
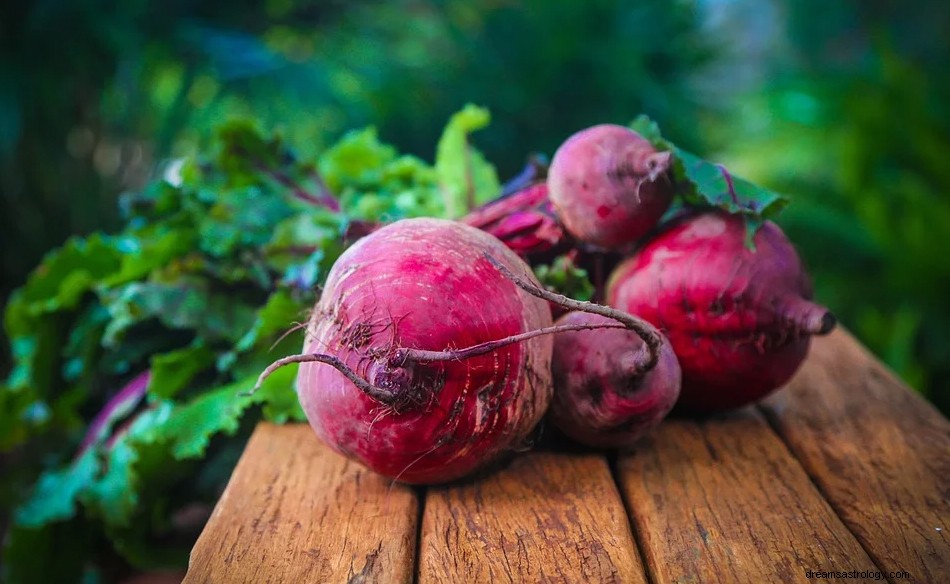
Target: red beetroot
{"x":739,"y":320}
{"x":609,"y":185}
{"x":425,"y":284}
{"x":603,"y":394}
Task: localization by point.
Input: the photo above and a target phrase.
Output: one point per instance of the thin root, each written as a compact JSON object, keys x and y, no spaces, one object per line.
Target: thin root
{"x":644,"y":330}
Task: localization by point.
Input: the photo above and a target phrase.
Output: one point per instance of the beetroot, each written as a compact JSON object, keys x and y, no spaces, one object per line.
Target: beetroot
{"x":609,"y":186}
{"x":423,"y":285}
{"x":604,"y":396}
{"x":739,"y":320}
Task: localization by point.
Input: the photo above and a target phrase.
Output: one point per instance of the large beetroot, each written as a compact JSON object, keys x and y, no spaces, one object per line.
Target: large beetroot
{"x":411,"y":288}
{"x":739,"y":320}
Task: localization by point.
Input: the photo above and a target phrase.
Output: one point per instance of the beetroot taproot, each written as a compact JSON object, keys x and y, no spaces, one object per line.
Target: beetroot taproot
{"x":738,"y":319}
{"x":609,"y":185}
{"x":604,"y":395}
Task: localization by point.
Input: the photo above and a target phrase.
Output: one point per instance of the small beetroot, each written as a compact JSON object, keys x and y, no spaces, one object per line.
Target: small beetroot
{"x":604,"y":396}
{"x":609,"y":185}
{"x":739,"y":320}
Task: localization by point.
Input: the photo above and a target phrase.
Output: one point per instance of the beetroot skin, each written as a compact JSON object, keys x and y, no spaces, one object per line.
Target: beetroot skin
{"x":609,"y":185}
{"x":602,"y":395}
{"x":739,"y":320}
{"x":425,"y":284}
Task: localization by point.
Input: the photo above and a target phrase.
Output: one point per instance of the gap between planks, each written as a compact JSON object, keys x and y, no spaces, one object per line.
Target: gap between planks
{"x":723,"y":500}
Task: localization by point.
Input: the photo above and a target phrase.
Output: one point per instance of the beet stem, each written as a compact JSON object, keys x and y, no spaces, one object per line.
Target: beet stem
{"x":643,"y":329}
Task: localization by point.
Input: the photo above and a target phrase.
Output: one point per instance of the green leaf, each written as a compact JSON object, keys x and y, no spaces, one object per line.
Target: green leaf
{"x":54,"y":497}
{"x":356,"y":160}
{"x":26,"y":397}
{"x":82,"y":345}
{"x":191,"y":426}
{"x":241,"y":219}
{"x":282,"y":311}
{"x":62,"y":278}
{"x":116,"y":492}
{"x":704,"y":183}
{"x":245,"y":152}
{"x":310,"y":241}
{"x":148,"y":249}
{"x":35,"y":354}
{"x":173,"y":371}
{"x":186,"y":304}
{"x":467,"y":179}
{"x":564,"y":277}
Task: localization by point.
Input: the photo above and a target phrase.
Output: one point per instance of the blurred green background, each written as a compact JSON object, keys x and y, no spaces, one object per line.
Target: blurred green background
{"x":844,"y":106}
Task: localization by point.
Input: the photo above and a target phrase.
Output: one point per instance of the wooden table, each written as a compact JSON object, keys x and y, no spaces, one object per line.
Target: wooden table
{"x":844,"y":470}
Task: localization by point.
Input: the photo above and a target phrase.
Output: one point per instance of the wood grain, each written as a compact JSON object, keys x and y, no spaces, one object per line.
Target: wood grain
{"x":294,"y":511}
{"x":879,"y":453}
{"x":546,"y":518}
{"x":724,"y":501}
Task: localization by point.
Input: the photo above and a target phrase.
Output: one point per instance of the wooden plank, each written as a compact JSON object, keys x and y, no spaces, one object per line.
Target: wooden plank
{"x":879,"y":453}
{"x":546,"y":518}
{"x":724,"y":501}
{"x":294,"y":511}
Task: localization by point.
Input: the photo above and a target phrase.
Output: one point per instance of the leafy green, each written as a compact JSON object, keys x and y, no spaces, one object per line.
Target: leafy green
{"x":467,"y":179}
{"x":565,"y":277}
{"x":281,"y":311}
{"x":375,"y":183}
{"x":63,"y":277}
{"x":55,"y":494}
{"x":187,"y":304}
{"x":704,"y":183}
{"x":172,"y":371}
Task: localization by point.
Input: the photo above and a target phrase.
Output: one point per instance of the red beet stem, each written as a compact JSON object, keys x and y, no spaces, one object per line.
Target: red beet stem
{"x":120,"y":405}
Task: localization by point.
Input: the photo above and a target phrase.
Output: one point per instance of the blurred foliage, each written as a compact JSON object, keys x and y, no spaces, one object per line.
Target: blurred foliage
{"x":93,"y":92}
